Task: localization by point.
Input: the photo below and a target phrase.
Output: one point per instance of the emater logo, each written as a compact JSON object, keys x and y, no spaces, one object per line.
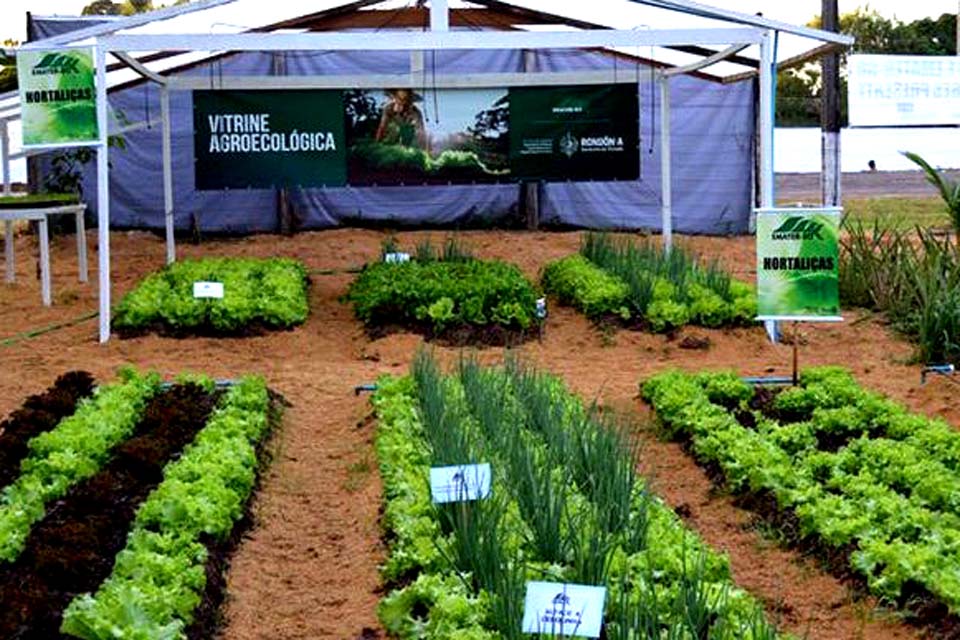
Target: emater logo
{"x":796,"y":228}
{"x":56,"y":63}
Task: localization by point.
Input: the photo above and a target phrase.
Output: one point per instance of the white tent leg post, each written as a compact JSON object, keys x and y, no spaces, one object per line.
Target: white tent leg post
{"x":5,"y":154}
{"x":43,"y":225}
{"x":666,"y":182}
{"x":767,"y":71}
{"x":8,"y":254}
{"x":439,"y":15}
{"x":103,"y":197}
{"x":167,"y":174}
{"x":766,"y":106}
{"x":8,"y":225}
{"x":82,"y":246}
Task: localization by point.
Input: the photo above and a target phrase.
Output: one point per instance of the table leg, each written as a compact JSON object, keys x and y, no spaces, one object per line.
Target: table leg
{"x":82,"y":247}
{"x":44,"y":262}
{"x":8,"y":251}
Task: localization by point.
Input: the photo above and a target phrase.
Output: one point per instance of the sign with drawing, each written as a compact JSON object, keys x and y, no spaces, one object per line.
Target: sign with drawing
{"x":563,"y":610}
{"x":460,"y":483}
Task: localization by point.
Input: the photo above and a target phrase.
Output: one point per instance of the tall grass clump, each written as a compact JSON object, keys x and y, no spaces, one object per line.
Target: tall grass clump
{"x":912,"y":276}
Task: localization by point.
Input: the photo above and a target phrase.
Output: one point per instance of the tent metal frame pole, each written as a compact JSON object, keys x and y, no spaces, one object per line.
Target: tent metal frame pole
{"x":9,"y":268}
{"x":439,"y":15}
{"x":767,"y":104}
{"x":103,"y":193}
{"x":167,"y":174}
{"x":666,"y":181}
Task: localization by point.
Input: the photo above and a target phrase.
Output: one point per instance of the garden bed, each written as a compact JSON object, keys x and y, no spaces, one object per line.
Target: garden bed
{"x":39,"y":414}
{"x":448,"y":296}
{"x":843,"y":472}
{"x":566,"y":506}
{"x":259,"y":295}
{"x":149,"y":528}
{"x":639,"y":285}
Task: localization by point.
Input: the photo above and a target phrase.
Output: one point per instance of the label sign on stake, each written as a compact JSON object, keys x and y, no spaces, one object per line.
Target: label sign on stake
{"x":207,"y":289}
{"x":460,"y":483}
{"x":396,"y":257}
{"x":798,"y":264}
{"x":563,"y":609}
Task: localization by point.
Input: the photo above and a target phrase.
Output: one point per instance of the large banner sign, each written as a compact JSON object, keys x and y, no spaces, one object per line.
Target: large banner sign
{"x":268,"y":138}
{"x":887,"y":90}
{"x":798,"y":264}
{"x":408,"y":136}
{"x":58,"y":101}
{"x":575,"y":133}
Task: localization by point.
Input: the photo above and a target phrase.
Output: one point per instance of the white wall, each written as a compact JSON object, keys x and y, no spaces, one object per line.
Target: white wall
{"x":797,"y":149}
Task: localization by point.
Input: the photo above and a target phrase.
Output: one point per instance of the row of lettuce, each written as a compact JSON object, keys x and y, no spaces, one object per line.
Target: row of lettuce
{"x":861,"y":479}
{"x":258,"y":294}
{"x":159,"y":577}
{"x":441,"y":288}
{"x":640,"y":282}
{"x":566,"y":506}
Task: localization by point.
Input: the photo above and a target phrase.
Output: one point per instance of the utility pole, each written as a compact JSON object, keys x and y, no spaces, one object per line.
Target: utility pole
{"x":830,"y":113}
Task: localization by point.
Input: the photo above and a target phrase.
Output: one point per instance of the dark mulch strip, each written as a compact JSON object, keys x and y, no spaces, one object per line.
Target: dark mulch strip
{"x":464,"y":335}
{"x":39,"y":413}
{"x":72,"y":550}
{"x":250,"y":330}
{"x":208,"y":616}
{"x":923,"y":608}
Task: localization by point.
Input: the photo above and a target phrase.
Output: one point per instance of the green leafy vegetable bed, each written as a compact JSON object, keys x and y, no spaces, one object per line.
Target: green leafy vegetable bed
{"x":258,"y":295}
{"x":566,"y":505}
{"x":93,"y":463}
{"x":847,"y":470}
{"x":641,"y":285}
{"x":462,"y":298}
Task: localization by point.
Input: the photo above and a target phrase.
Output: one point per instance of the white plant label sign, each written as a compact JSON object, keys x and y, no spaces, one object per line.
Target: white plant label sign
{"x":207,"y":289}
{"x":396,"y":257}
{"x":563,"y":609}
{"x":460,"y":483}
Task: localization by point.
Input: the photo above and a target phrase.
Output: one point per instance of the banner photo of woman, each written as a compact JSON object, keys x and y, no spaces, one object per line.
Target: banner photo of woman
{"x":405,"y":136}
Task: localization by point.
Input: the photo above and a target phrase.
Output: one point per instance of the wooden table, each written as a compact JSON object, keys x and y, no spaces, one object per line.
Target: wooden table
{"x":41,"y":214}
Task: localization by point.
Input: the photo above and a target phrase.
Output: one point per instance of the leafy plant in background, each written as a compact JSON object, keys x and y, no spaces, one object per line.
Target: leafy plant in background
{"x":948,"y":189}
{"x":441,"y":288}
{"x":270,"y":293}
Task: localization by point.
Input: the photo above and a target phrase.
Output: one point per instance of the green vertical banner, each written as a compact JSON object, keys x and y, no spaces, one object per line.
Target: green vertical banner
{"x":798,"y":264}
{"x":575,"y":132}
{"x":58,"y":101}
{"x":261,"y":139}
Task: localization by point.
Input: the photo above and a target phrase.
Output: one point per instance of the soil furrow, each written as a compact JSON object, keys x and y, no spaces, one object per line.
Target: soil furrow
{"x":72,"y":550}
{"x":39,"y":413}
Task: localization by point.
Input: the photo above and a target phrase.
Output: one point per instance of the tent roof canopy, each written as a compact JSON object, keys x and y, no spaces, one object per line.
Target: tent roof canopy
{"x":209,"y":27}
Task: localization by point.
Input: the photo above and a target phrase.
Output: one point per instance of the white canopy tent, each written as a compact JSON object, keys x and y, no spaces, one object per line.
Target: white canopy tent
{"x":731,"y":45}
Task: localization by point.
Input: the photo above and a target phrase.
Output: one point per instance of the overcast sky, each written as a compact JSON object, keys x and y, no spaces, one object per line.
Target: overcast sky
{"x":12,"y":12}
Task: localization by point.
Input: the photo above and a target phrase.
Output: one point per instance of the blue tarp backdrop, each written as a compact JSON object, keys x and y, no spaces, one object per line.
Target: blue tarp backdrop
{"x":713,"y":127}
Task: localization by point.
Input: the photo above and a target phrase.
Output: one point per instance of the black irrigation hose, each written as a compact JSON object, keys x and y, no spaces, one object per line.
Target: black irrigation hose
{"x":33,"y":333}
{"x":333,"y":272}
